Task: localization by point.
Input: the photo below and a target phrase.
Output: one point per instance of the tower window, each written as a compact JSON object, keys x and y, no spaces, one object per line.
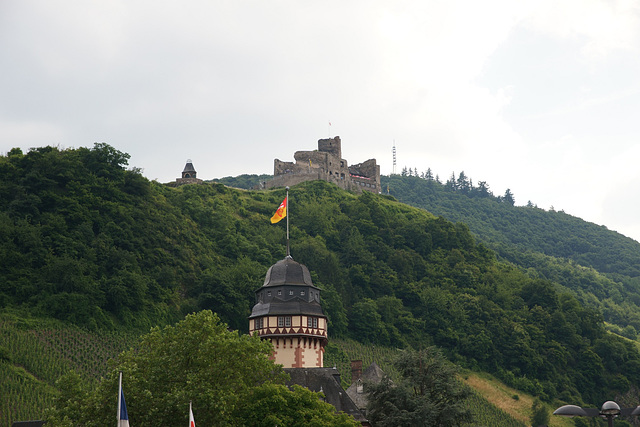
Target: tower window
{"x":312,"y":322}
{"x":279,"y":293}
{"x":290,"y":292}
{"x":268,"y":293}
{"x":302,"y":293}
{"x":284,"y":321}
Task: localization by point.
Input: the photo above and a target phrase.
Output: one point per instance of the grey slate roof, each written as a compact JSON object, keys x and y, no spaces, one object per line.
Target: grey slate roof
{"x":188,"y":167}
{"x":327,"y":380}
{"x":373,"y":374}
{"x":280,"y":307}
{"x":287,"y":272}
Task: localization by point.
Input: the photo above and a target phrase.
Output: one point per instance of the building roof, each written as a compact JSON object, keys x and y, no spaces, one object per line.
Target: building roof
{"x":280,"y":307}
{"x":373,"y":374}
{"x":326,"y":380}
{"x":188,"y":167}
{"x":288,"y":272}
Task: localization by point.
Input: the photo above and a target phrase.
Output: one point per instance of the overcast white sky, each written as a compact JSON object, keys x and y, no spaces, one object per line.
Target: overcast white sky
{"x":542,"y":97}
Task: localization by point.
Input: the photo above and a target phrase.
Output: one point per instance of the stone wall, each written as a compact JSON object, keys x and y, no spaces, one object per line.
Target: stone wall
{"x":326,"y":164}
{"x":331,"y":145}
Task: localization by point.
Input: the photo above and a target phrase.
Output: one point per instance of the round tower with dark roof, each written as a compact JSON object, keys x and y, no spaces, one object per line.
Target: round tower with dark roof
{"x":288,"y":313}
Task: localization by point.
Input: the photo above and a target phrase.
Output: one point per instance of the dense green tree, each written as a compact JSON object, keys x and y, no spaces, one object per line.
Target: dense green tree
{"x":483,"y":189}
{"x":428,"y":175}
{"x":452,"y":183}
{"x":539,"y":414}
{"x":427,"y":393}
{"x":463,"y":183}
{"x":508,"y":197}
{"x":272,"y":405}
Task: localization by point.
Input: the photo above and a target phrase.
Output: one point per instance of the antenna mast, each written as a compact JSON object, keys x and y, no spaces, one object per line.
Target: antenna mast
{"x":394,"y":157}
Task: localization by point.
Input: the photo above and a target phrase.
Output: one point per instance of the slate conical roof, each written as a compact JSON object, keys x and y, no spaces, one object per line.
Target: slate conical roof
{"x":287,"y":272}
{"x":188,"y":167}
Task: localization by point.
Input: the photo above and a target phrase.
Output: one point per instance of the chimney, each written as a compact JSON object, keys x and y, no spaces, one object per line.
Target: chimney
{"x":356,"y":370}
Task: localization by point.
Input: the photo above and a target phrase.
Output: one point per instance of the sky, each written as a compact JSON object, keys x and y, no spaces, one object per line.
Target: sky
{"x":541,"y":97}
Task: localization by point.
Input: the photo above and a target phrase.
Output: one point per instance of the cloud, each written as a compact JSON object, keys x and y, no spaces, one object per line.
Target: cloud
{"x":602,"y":27}
{"x":520,"y":94}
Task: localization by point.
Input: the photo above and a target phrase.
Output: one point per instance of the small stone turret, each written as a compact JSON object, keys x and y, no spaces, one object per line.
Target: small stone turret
{"x":189,"y":171}
{"x":188,"y":175}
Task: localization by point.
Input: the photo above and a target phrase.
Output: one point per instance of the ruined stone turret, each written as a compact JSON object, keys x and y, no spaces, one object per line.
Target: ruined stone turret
{"x":326,"y":164}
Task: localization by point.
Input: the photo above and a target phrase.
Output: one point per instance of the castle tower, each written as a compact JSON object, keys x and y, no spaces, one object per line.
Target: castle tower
{"x":288,"y":313}
{"x":331,"y":146}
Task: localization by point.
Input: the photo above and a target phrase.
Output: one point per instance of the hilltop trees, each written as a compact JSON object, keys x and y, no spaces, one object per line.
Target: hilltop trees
{"x":508,"y":197}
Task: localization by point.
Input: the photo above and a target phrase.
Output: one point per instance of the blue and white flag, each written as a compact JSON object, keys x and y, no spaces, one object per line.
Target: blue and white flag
{"x":123,"y":415}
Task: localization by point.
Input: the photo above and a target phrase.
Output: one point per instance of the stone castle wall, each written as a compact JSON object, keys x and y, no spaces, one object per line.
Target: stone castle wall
{"x":326,"y":164}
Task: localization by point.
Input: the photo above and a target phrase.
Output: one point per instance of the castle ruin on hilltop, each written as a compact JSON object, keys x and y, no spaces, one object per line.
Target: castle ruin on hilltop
{"x":326,"y":164}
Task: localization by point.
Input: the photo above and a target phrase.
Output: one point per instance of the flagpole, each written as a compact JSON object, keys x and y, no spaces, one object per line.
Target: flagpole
{"x":119,"y":397}
{"x":288,"y":213}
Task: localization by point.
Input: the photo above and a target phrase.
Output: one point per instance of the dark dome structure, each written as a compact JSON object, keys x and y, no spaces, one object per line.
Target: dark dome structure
{"x":287,"y":272}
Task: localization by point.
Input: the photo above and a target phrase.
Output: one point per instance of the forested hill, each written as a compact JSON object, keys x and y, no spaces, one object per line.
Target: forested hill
{"x":85,"y":240}
{"x":550,"y":242}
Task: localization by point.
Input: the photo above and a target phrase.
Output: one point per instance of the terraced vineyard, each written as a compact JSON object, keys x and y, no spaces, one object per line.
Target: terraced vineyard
{"x":33,"y":357}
